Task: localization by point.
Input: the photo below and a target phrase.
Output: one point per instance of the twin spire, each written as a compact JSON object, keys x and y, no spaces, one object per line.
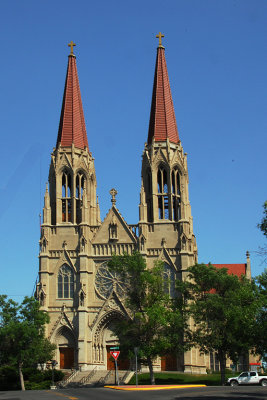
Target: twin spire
{"x":72,"y":128}
{"x":162,"y":125}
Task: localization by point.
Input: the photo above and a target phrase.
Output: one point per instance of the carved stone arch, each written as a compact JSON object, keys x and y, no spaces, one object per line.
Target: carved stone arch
{"x":80,"y":169}
{"x":64,"y":335}
{"x":183,"y":242}
{"x":65,"y":167}
{"x":99,"y":344}
{"x":142,"y":242}
{"x":104,"y":322}
{"x":163,"y":164}
{"x":43,"y":243}
{"x":42,"y":297}
{"x":177,"y":166}
{"x":66,"y":342}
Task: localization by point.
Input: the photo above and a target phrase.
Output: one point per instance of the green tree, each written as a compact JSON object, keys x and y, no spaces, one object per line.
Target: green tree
{"x":223,"y":309}
{"x":154,"y":319}
{"x":261,"y":318}
{"x":263,"y":227}
{"x":263,"y":224}
{"x":22,"y":340}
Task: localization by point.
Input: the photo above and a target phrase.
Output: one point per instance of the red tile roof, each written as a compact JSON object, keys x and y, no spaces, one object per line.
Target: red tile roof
{"x":72,"y":126}
{"x":162,"y":123}
{"x":235,"y":269}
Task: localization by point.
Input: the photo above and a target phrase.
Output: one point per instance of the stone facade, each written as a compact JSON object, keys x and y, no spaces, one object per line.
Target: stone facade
{"x":82,"y":297}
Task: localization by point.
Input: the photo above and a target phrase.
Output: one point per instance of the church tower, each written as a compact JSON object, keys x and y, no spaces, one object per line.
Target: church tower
{"x":83,"y":298}
{"x":165,"y":220}
{"x":70,"y":216}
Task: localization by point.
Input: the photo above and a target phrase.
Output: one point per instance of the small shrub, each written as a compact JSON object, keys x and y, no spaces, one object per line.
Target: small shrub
{"x":9,"y":378}
{"x":37,"y":385}
{"x":58,"y":375}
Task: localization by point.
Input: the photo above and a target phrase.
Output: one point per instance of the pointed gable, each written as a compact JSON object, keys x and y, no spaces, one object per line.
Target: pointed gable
{"x":72,"y":125}
{"x":162,"y":125}
{"x":124,"y":234}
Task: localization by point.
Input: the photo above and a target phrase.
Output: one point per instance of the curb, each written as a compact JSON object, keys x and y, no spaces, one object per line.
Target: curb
{"x":154,"y":387}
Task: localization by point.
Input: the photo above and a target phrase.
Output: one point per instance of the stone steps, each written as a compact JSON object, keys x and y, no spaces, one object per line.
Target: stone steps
{"x":95,"y":378}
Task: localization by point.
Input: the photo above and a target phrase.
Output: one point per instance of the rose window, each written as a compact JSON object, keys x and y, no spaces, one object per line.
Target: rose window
{"x":106,"y":281}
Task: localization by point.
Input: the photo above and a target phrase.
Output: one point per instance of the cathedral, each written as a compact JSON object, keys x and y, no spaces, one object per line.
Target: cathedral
{"x":83,"y":298}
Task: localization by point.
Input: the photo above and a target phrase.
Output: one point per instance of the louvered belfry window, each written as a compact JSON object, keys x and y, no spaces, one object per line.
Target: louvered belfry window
{"x":163,"y":198}
{"x":66,"y":197}
{"x":79,"y":195}
{"x":176,"y":195}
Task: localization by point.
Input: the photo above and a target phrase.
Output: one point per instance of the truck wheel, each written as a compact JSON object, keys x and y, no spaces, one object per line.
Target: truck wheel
{"x":234,"y":383}
{"x":264,"y":382}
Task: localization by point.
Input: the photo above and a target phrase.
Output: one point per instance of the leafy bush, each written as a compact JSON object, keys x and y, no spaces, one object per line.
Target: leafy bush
{"x":37,"y":385}
{"x":34,"y":378}
{"x":9,"y":378}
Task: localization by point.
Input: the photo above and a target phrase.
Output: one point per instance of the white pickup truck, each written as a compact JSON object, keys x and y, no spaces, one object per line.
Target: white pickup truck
{"x":248,"y":378}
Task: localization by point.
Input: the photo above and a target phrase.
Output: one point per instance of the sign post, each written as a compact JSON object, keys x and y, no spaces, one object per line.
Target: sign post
{"x":115,"y":354}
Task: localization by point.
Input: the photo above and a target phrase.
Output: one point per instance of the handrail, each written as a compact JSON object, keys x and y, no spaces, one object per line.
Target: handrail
{"x":89,"y":376}
{"x":103,"y":380}
{"x":64,"y":382}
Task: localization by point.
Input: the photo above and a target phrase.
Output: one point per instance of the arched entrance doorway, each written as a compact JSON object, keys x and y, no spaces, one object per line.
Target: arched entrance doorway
{"x":104,"y":339}
{"x":66,"y":345}
{"x":111,"y":341}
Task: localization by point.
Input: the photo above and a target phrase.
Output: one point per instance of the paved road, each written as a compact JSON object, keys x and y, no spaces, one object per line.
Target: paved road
{"x":208,"y":393}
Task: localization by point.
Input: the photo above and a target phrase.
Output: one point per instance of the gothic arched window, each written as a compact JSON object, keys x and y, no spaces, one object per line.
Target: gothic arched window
{"x":176,"y":195}
{"x":65,"y":282}
{"x":163,"y":200}
{"x":80,"y":179}
{"x":149,"y":196}
{"x":66,"y":197}
{"x":169,"y":280}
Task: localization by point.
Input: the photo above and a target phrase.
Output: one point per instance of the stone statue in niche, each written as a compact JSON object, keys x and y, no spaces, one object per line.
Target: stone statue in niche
{"x":113,"y":229}
{"x":81,"y":299}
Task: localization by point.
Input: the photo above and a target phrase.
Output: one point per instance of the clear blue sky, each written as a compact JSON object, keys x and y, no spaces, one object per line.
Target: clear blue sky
{"x":217,"y":62}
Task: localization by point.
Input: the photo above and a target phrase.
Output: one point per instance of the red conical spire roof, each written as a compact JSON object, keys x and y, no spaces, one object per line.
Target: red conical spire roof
{"x":162,"y":123}
{"x":72,"y":126}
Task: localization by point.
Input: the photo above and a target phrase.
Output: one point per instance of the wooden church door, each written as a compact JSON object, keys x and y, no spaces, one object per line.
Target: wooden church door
{"x":66,"y":357}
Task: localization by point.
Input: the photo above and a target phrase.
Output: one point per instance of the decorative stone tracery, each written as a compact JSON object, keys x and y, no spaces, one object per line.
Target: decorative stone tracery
{"x":98,"y":338}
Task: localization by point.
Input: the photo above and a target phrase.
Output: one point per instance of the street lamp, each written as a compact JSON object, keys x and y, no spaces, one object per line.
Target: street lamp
{"x":54,"y":363}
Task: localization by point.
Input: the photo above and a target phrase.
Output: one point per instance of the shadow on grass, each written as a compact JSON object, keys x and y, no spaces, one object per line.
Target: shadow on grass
{"x":165,"y":378}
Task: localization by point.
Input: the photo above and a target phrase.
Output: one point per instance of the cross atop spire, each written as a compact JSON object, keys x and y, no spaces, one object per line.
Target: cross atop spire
{"x":160,"y":36}
{"x":71,"y":45}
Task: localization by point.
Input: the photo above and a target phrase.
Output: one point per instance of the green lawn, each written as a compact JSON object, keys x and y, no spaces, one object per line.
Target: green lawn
{"x":165,"y":378}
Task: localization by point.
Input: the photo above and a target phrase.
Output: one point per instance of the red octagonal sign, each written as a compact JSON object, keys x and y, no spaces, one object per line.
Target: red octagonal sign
{"x":115,"y":354}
